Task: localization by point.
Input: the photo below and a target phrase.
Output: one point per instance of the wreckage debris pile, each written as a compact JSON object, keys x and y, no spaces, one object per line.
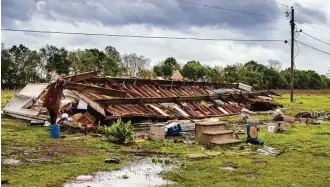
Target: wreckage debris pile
{"x":110,"y":98}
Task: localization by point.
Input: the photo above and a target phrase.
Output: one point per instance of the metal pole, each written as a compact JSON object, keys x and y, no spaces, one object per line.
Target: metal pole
{"x":292,"y":52}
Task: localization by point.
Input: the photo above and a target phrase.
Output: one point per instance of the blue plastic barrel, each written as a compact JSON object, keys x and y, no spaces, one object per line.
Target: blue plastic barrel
{"x":54,"y":131}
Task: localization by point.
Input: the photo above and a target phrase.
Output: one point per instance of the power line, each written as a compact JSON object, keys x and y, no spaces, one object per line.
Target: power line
{"x":328,"y":53}
{"x":141,"y":36}
{"x":316,"y":38}
{"x":229,"y":9}
{"x":313,"y":27}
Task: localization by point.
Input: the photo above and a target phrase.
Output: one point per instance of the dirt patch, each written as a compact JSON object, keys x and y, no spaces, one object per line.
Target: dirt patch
{"x":42,"y":154}
{"x":57,"y":149}
{"x":230,"y":164}
{"x":259,"y":162}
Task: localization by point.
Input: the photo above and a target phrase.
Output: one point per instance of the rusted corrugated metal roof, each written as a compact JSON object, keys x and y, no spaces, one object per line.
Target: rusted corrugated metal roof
{"x":157,"y":89}
{"x":115,"y":97}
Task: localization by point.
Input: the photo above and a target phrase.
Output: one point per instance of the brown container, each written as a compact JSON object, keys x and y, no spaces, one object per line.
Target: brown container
{"x":207,"y":126}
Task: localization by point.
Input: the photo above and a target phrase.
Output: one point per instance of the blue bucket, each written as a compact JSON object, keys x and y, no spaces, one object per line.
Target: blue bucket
{"x":54,"y":131}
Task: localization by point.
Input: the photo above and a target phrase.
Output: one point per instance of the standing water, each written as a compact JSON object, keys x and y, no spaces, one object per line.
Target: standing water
{"x":140,"y":173}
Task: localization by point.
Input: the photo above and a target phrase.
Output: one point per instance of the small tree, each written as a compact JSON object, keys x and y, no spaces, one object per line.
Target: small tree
{"x":119,"y":132}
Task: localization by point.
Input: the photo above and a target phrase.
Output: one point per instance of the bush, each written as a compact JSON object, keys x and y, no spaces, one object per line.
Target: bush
{"x":119,"y":132}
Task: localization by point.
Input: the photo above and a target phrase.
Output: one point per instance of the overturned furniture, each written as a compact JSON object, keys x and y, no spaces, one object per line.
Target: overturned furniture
{"x":213,"y":132}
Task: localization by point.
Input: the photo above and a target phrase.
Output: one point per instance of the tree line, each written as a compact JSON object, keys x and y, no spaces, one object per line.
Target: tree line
{"x":21,"y":65}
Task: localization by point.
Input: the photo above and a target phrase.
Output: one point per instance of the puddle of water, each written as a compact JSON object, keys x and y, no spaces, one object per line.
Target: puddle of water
{"x":137,"y":174}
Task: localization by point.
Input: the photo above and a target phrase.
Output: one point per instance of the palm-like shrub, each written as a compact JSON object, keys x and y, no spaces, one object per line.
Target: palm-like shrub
{"x":119,"y":132}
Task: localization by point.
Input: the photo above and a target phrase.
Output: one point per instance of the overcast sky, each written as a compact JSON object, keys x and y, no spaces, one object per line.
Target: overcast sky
{"x":171,"y":18}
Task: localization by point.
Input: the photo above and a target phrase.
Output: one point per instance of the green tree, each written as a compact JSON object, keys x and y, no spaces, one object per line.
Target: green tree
{"x":20,"y":66}
{"x":194,"y":70}
{"x":56,"y":59}
{"x":167,"y":67}
{"x":113,"y":65}
{"x":9,"y":70}
{"x":231,"y":73}
{"x":215,"y":74}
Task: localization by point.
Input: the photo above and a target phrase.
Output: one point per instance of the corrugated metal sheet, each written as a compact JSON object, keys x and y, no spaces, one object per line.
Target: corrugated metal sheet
{"x":33,"y":90}
{"x":17,"y":107}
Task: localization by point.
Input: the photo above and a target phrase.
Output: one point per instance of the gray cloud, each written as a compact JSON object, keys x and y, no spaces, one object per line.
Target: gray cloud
{"x":165,"y":13}
{"x":308,"y":15}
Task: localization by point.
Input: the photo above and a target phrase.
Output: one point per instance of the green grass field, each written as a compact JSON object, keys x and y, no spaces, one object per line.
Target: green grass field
{"x":305,"y":158}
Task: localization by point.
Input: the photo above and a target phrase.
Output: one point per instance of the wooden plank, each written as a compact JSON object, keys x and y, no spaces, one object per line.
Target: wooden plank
{"x":80,"y":77}
{"x":154,"y":100}
{"x":95,"y":89}
{"x":90,"y":102}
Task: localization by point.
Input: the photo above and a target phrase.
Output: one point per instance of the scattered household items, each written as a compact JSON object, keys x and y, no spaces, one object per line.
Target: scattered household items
{"x":277,"y":115}
{"x":173,"y":129}
{"x":112,"y":160}
{"x":276,"y":127}
{"x":252,"y":135}
{"x":111,"y":98}
{"x":157,"y":132}
{"x":54,"y":131}
{"x":213,"y":132}
{"x":313,"y":117}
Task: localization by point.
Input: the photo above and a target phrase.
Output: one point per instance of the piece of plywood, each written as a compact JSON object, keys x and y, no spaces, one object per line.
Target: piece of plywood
{"x":90,"y":102}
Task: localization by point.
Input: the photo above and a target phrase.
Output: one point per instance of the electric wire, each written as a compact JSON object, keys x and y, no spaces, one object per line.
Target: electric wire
{"x":316,"y":38}
{"x":328,"y":53}
{"x":229,"y":9}
{"x":141,"y":36}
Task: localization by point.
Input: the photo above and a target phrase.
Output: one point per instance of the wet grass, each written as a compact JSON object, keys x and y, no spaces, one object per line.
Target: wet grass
{"x":305,"y":161}
{"x":69,"y":157}
{"x":305,"y":158}
{"x":304,"y":102}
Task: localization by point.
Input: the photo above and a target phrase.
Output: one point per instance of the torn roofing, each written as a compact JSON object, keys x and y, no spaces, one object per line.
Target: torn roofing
{"x":151,"y":98}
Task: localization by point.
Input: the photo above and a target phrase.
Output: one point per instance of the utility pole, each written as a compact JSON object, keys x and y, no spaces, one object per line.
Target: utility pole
{"x":292,"y":52}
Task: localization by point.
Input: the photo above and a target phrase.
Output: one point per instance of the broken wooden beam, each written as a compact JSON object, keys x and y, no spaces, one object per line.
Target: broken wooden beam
{"x":149,"y":100}
{"x":90,"y":102}
{"x":81,"y":76}
{"x":95,"y":89}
